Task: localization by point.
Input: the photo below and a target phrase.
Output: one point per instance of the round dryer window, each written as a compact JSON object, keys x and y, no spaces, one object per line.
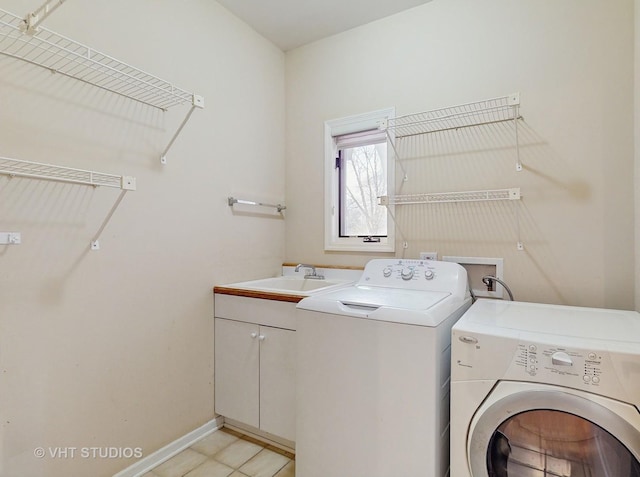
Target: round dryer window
{"x":553,"y":433}
{"x":555,"y":443}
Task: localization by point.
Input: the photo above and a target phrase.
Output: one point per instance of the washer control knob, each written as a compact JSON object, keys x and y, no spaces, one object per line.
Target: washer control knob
{"x":387,"y":271}
{"x":428,"y":274}
{"x":407,"y":273}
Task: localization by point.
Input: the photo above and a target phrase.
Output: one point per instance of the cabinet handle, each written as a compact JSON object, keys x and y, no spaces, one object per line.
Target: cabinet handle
{"x":254,"y":335}
{"x":261,"y":337}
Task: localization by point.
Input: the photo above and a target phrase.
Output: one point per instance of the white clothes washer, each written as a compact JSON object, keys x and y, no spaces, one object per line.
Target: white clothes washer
{"x":545,"y":390}
{"x":373,"y":367}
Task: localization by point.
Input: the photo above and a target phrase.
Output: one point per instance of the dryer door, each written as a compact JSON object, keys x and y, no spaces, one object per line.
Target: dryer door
{"x":528,"y":430}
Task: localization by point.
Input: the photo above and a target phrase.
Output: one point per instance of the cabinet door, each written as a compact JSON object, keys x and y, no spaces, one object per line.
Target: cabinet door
{"x":277,"y":381}
{"x":237,"y":364}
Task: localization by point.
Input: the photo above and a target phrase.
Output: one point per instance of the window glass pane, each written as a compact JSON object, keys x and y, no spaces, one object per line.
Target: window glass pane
{"x":363,"y":172}
{"x":545,"y":443}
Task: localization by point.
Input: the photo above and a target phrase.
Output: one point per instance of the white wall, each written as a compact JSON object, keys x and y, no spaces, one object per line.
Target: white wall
{"x":636,"y":96}
{"x":115,"y":347}
{"x":572,"y":63}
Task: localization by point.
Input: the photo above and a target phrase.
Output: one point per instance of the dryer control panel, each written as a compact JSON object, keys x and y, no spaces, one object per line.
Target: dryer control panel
{"x":477,"y":356}
{"x":573,"y":367}
{"x":590,"y":349}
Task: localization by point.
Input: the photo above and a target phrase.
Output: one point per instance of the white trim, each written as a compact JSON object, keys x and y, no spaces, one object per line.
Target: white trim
{"x":147,"y":463}
{"x":265,"y":437}
{"x":335,"y":127}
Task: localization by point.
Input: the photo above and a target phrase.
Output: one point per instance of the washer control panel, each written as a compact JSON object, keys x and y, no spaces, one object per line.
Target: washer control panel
{"x":413,"y":274}
{"x":572,"y":366}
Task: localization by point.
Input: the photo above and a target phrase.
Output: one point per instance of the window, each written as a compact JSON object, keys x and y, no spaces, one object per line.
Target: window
{"x":357,"y":171}
{"x":362,"y":178}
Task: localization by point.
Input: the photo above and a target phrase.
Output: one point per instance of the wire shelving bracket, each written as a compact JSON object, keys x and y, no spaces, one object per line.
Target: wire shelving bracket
{"x":38,"y":170}
{"x":33,"y":19}
{"x":25,"y":39}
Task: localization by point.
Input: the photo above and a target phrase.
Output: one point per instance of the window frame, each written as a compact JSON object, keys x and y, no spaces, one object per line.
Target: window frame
{"x":348,"y":125}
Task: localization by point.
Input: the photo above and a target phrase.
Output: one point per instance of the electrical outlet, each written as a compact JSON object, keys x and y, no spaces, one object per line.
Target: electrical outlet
{"x":428,"y":255}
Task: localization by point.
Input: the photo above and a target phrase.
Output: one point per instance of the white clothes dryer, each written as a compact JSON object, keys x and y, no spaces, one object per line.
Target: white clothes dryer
{"x":373,"y":368}
{"x":545,"y":390}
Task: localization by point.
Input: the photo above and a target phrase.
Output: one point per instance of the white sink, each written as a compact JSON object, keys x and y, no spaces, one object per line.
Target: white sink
{"x":288,"y":285}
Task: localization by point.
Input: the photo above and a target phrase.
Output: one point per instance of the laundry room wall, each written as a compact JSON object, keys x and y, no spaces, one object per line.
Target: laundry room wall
{"x":572,"y":63}
{"x":637,"y":148}
{"x":114,"y":348}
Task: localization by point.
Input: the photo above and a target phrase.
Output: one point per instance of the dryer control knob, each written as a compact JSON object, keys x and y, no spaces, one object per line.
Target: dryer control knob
{"x":387,"y":271}
{"x":561,"y":359}
{"x":428,"y":274}
{"x":407,"y":273}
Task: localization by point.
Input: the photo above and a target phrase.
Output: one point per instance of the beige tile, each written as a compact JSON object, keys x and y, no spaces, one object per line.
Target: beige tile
{"x":210,"y":468}
{"x":180,"y":464}
{"x":238,"y":474}
{"x":288,"y":470}
{"x":237,"y":453}
{"x":264,"y":464}
{"x":149,"y":474}
{"x":214,"y":443}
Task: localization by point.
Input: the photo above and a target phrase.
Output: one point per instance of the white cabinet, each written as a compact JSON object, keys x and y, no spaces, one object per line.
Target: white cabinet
{"x":255,"y":368}
{"x":237,"y":371}
{"x":277,"y":382}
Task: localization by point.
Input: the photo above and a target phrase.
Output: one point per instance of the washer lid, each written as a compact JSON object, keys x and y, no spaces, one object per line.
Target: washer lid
{"x":386,"y":297}
{"x":559,"y":320}
{"x":423,"y":308}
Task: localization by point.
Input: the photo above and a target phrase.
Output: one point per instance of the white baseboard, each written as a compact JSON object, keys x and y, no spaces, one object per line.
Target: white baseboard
{"x":167,"y":452}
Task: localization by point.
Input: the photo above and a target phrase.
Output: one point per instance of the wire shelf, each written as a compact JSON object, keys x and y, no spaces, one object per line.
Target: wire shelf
{"x":38,"y":170}
{"x":488,"y":111}
{"x":59,"y":54}
{"x":447,"y":197}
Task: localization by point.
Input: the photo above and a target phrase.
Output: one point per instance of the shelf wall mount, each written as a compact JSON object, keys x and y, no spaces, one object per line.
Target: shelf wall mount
{"x":25,"y":39}
{"x":10,"y":238}
{"x":33,"y":19}
{"x":197,"y":102}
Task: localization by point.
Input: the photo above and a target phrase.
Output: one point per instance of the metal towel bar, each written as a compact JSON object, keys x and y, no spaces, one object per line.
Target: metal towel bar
{"x":233,"y":200}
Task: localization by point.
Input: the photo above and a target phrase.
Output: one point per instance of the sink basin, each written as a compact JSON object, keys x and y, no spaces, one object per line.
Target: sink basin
{"x":290,"y":285}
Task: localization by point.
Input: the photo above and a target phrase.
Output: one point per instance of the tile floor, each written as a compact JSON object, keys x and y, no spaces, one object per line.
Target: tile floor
{"x":226,"y":453}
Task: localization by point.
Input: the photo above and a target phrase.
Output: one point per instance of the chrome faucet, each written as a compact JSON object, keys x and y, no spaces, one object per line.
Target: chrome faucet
{"x":312,"y":274}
